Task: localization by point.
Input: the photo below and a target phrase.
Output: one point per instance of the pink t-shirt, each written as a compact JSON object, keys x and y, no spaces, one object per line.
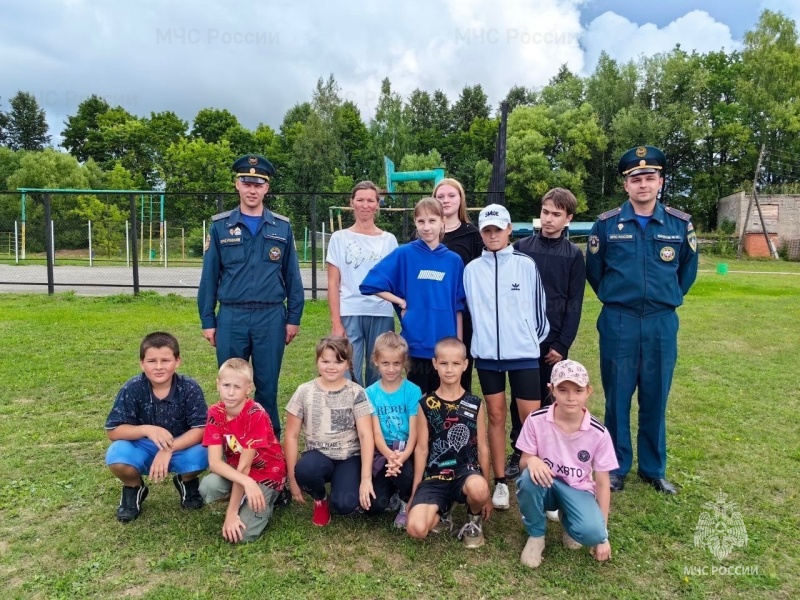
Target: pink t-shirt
{"x":571,"y":456}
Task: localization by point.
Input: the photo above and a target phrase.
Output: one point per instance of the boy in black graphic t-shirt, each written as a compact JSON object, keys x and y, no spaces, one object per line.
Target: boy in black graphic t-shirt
{"x":451,"y":452}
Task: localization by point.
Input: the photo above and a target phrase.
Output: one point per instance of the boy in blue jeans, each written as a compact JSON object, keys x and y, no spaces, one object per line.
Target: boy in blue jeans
{"x":156,"y":427}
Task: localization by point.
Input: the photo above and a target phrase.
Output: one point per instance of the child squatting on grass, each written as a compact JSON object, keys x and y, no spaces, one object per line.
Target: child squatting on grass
{"x":245,"y":457}
{"x":394,"y":424}
{"x":451,"y":453}
{"x":335,"y":417}
{"x":561,"y":445}
{"x":156,"y":425}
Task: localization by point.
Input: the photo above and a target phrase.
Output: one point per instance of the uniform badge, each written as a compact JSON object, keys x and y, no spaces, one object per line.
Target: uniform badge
{"x":274,"y":253}
{"x":692,"y":241}
{"x":594,"y":244}
{"x":237,"y":231}
{"x":690,"y":227}
{"x":253,"y":160}
{"x":641,"y":151}
{"x":667,"y":253}
{"x":620,"y":226}
{"x":207,"y":245}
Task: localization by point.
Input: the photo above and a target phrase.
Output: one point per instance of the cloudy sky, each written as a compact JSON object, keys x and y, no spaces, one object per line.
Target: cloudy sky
{"x":259,"y":58}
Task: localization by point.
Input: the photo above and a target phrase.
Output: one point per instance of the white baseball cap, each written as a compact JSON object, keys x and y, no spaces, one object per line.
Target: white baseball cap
{"x":494,"y":214}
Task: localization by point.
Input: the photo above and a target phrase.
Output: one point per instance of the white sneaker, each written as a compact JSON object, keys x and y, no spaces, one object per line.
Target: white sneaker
{"x":570,"y":543}
{"x":552,"y":515}
{"x":532,"y":553}
{"x":501,"y":498}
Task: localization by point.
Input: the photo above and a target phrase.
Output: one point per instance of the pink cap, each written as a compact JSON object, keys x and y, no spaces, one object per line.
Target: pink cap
{"x":569,"y":370}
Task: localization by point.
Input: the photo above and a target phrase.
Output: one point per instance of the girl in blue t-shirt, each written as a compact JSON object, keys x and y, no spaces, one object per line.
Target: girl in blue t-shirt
{"x":394,"y":400}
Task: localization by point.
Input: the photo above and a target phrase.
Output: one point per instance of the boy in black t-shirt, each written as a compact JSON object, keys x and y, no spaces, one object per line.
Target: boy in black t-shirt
{"x":451,"y":452}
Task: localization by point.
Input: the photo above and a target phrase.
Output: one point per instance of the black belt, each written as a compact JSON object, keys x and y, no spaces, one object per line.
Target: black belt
{"x":251,"y":305}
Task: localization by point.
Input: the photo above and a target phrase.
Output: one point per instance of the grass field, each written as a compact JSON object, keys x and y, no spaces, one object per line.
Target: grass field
{"x":733,"y":422}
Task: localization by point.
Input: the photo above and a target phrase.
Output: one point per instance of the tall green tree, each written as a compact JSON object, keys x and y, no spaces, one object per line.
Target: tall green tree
{"x":549,"y":146}
{"x":609,"y":89}
{"x":26,"y":123}
{"x":389,"y":128}
{"x":770,"y":90}
{"x":81,"y":134}
{"x":472,"y":104}
{"x":353,"y":137}
{"x":519,"y":95}
{"x":3,"y":128}
{"x":564,"y":86}
{"x":108,"y":223}
{"x":212,"y":124}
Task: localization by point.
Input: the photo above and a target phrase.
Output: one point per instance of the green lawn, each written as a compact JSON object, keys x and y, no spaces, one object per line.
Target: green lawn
{"x":733,"y":427}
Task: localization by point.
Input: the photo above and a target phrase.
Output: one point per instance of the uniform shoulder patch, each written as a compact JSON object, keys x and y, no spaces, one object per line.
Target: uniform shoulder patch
{"x":610,"y":213}
{"x":679,"y":213}
{"x":281,"y":217}
{"x":222,"y":215}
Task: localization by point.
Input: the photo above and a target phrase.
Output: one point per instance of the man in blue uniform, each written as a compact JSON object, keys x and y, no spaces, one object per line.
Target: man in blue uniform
{"x":250,"y":267}
{"x":641,"y":260}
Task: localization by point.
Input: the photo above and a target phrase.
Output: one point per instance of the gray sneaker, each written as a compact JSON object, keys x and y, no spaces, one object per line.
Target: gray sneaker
{"x":472,"y":532}
{"x":445,"y":524}
{"x":512,"y":466}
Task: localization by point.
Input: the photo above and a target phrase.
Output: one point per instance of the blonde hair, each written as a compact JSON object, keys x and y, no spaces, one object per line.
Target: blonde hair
{"x":431,"y":206}
{"x":390,"y":342}
{"x":462,"y":205}
{"x":238,"y":365}
{"x":449,"y":342}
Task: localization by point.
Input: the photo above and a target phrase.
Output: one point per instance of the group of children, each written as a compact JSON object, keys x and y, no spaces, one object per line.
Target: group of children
{"x":421,"y":440}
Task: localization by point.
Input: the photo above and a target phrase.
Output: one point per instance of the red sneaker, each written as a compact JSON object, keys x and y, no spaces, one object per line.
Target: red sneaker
{"x":322,"y":513}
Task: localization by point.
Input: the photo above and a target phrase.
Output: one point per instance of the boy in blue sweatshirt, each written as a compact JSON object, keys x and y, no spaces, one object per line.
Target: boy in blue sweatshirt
{"x":425,"y":281}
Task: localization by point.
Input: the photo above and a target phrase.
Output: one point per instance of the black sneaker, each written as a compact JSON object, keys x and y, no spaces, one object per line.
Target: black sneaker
{"x":189,"y":491}
{"x":512,"y":466}
{"x":130,"y":505}
{"x":284,"y":497}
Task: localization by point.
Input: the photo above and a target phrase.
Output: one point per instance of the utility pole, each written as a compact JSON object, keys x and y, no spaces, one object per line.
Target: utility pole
{"x":750,"y":206}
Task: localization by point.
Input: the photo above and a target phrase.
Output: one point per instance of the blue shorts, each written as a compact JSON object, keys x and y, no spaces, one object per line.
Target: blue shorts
{"x":140,"y":454}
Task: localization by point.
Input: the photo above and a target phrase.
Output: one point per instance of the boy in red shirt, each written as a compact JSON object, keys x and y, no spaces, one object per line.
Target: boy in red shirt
{"x":245,"y":458}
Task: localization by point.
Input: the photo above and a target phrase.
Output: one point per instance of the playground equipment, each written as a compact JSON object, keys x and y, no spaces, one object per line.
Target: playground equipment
{"x":162,"y":225}
{"x":393,"y":177}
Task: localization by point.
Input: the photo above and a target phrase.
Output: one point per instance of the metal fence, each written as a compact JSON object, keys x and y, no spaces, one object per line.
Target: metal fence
{"x":93,"y":241}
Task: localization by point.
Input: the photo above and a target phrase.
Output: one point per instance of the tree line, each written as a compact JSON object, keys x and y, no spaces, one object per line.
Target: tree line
{"x":709,"y":112}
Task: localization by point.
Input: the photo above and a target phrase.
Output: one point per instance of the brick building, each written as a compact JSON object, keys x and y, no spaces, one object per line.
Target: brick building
{"x":781,"y":219}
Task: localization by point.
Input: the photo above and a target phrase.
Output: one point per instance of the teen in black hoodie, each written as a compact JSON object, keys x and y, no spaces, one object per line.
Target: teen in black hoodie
{"x":562,"y":269}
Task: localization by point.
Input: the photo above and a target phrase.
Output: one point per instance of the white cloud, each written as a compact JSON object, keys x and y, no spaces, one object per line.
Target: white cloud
{"x":259,"y":59}
{"x":624,"y":40}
